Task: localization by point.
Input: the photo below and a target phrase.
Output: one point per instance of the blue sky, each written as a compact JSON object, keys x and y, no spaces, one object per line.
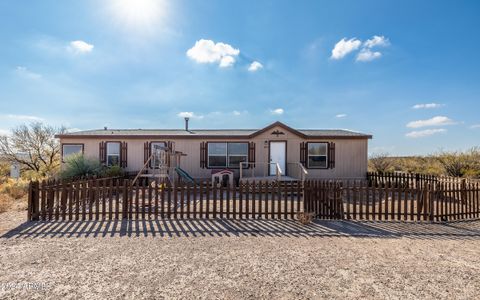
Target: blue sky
{"x":407,"y":72}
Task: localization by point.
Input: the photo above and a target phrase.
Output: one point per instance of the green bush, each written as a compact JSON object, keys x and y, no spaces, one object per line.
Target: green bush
{"x":114,"y":171}
{"x":79,"y":166}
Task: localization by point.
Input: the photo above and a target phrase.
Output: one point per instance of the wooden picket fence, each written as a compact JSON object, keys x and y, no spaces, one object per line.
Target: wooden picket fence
{"x":107,"y":199}
{"x":440,"y":201}
{"x":376,"y":198}
{"x":411,"y":180}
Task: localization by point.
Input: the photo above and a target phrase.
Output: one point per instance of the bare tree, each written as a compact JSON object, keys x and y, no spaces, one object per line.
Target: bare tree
{"x":459,"y":164}
{"x":33,"y":146}
{"x":380,"y":162}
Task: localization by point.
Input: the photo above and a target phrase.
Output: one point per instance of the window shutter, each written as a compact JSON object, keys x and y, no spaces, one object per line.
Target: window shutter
{"x":203,"y":155}
{"x":146,"y":147}
{"x":331,"y":155}
{"x":169,"y":153}
{"x":251,"y":155}
{"x":123,"y":155}
{"x":102,"y":152}
{"x":303,"y":154}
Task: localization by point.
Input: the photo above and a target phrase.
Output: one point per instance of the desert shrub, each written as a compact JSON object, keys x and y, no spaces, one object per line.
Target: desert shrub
{"x":381,"y":162}
{"x":16,"y":189}
{"x":418,"y":164}
{"x":79,"y":166}
{"x":456,"y":164}
{"x":4,"y":169}
{"x":30,"y":175}
{"x":460,"y":164}
{"x":114,"y":171}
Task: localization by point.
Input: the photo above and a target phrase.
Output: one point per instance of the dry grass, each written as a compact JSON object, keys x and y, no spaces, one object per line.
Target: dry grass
{"x":16,"y":189}
{"x":6,"y":202}
{"x":13,"y":195}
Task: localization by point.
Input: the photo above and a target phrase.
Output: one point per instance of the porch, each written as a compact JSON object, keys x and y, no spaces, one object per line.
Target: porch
{"x":272,"y":171}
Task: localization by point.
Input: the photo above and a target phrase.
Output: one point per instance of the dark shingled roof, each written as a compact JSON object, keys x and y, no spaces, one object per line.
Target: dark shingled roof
{"x":247,"y":133}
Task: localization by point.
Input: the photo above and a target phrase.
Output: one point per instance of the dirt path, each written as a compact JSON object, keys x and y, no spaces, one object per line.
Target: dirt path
{"x":246,"y":259}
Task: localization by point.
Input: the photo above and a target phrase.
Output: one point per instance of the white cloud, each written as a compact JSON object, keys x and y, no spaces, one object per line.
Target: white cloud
{"x":341,"y":116}
{"x":368,"y":55}
{"x":255,"y":66}
{"x":80,"y":47}
{"x":22,"y":117}
{"x":74,"y":129}
{"x":24,"y":72}
{"x":427,"y":105}
{"x":207,"y":51}
{"x":227,"y":61}
{"x":189,"y":114}
{"x":376,"y":41}
{"x":4,"y":132}
{"x":435,"y":121}
{"x":475,"y":126}
{"x":424,"y":133}
{"x":239,"y":113}
{"x":277,"y":111}
{"x":344,"y":46}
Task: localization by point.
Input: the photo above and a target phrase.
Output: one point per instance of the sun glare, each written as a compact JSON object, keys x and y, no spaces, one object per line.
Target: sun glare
{"x":142,"y":15}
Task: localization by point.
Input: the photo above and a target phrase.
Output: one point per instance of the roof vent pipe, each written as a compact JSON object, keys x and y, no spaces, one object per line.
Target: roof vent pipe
{"x":186,"y":123}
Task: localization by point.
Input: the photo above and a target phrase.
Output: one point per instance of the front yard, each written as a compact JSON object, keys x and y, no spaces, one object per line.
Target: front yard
{"x":237,"y":259}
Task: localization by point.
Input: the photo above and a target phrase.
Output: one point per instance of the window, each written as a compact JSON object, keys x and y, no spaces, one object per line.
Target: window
{"x":237,"y":153}
{"x":217,"y":155}
{"x":223,"y":155}
{"x":157,"y":160}
{"x":113,"y":154}
{"x":317,"y":155}
{"x":71,"y":149}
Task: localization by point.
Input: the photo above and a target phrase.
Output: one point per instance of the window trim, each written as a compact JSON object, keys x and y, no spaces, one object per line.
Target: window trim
{"x":227,"y":155}
{"x":73,"y":144}
{"x":326,"y":155}
{"x":119,"y":154}
{"x":150,"y":143}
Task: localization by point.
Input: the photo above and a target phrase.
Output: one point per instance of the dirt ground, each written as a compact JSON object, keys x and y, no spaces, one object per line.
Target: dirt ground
{"x":237,"y":259}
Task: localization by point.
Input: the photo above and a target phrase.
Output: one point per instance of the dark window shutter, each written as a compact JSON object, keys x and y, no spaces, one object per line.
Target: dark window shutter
{"x":102,"y":152}
{"x":146,"y":151}
{"x":331,"y":155}
{"x":251,"y":155}
{"x":203,"y":155}
{"x":169,"y":154}
{"x":123,"y":155}
{"x":303,"y":154}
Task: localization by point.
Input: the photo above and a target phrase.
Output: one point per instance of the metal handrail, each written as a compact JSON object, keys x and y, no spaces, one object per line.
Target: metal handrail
{"x":302,"y":170}
{"x":278,"y":171}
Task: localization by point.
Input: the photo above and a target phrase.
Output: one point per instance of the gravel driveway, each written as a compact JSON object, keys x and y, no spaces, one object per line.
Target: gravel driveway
{"x":238,"y":259}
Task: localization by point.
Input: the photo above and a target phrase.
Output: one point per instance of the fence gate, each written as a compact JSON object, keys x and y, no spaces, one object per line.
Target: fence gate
{"x":324,"y":199}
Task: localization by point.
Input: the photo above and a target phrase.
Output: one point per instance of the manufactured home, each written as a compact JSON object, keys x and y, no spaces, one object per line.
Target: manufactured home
{"x":276,"y":150}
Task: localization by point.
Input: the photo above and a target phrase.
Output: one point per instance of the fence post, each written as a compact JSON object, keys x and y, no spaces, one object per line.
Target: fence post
{"x":432,"y":200}
{"x":339,"y":200}
{"x":125,"y":199}
{"x":33,"y":201}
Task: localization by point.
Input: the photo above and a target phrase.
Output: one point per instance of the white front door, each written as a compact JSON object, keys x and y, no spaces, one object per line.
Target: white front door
{"x":278,"y":154}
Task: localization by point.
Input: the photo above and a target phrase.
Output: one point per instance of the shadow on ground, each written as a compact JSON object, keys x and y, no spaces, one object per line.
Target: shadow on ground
{"x":236,"y":228}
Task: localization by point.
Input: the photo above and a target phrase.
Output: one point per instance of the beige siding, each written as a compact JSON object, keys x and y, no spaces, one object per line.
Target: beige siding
{"x":350,"y":158}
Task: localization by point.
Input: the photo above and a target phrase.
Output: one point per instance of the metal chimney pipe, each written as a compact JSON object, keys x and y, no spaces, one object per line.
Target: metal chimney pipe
{"x":186,"y":123}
